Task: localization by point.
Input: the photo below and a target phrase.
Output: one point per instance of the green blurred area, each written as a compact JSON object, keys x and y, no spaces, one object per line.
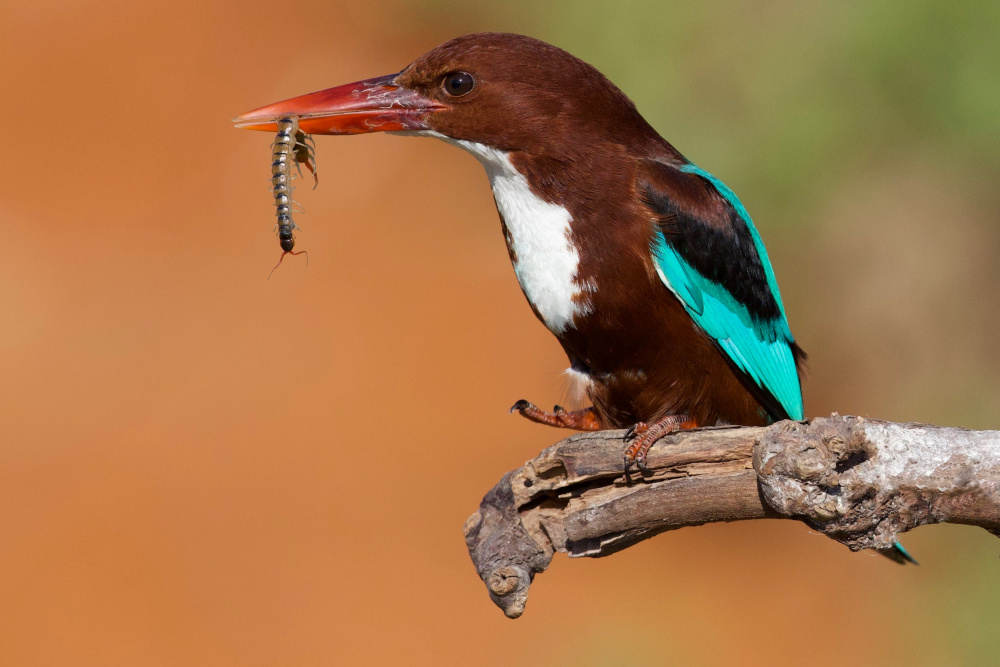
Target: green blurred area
{"x":864,"y":139}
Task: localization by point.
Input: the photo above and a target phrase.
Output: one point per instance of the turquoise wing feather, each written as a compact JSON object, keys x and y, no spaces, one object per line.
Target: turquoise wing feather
{"x":760,"y":348}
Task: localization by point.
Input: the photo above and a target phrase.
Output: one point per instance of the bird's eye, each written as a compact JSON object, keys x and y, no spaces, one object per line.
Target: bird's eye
{"x":457,"y":84}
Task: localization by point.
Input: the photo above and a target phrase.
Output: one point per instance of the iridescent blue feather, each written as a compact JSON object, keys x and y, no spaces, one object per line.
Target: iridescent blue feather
{"x":760,"y":348}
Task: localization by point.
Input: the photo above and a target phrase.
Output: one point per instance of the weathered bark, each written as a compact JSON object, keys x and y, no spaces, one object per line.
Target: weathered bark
{"x":859,"y":481}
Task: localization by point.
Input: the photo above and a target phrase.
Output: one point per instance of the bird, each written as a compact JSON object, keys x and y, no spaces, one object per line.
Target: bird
{"x":646,"y":267}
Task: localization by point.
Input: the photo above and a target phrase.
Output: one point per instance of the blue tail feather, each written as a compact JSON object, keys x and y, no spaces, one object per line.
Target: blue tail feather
{"x":898,"y":554}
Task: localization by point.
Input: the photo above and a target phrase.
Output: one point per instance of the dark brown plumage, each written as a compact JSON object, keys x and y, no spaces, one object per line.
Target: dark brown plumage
{"x":581,"y":145}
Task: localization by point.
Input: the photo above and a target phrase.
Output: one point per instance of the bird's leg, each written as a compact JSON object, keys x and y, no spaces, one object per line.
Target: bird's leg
{"x":643,"y":435}
{"x":581,"y":420}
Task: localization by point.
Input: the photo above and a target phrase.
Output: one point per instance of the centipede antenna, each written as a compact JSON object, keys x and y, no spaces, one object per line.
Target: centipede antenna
{"x":280,"y":259}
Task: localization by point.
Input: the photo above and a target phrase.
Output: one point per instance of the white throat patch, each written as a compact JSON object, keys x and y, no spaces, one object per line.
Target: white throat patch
{"x":547,"y":261}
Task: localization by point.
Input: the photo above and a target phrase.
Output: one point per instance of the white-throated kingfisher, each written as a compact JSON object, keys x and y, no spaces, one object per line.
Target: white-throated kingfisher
{"x":646,"y":267}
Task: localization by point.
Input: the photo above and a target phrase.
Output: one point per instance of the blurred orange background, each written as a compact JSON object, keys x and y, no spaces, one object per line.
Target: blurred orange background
{"x":202,"y":466}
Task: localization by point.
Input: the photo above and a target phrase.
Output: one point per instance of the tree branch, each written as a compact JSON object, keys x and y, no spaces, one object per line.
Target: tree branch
{"x":859,"y":481}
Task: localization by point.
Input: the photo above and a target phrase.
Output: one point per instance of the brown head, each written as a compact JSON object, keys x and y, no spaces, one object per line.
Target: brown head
{"x":506,"y":91}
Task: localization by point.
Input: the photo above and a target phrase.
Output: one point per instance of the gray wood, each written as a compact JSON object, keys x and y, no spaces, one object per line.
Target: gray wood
{"x":859,"y":481}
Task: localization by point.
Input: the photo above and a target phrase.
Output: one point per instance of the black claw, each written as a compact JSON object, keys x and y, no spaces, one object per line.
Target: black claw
{"x":640,"y":463}
{"x":520,"y":405}
{"x":557,"y":408}
{"x":628,"y":464}
{"x":629,"y":433}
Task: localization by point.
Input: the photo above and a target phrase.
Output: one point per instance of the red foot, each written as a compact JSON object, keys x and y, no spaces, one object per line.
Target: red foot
{"x":643,"y":436}
{"x":581,"y":420}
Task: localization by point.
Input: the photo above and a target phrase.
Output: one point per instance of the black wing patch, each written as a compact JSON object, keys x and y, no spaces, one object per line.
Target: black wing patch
{"x":717,"y":243}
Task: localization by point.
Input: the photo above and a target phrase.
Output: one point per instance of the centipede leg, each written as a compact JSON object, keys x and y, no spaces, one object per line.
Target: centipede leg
{"x":305,"y":153}
{"x":310,"y":163}
{"x":312,"y":170}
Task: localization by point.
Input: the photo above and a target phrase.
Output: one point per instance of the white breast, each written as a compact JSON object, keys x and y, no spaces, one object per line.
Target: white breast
{"x":547,"y":261}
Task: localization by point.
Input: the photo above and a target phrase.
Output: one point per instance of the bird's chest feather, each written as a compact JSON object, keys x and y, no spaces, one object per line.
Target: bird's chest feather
{"x":539,"y":238}
{"x":545,"y":259}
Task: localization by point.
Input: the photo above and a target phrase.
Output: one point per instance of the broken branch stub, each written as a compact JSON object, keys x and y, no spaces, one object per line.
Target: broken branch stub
{"x":505,"y":555}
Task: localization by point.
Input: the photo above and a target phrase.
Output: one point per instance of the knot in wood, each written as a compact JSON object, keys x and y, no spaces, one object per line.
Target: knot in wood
{"x":504,"y":580}
{"x":809,"y":471}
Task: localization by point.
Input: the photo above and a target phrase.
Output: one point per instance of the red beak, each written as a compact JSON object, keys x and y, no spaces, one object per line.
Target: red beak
{"x":372,"y":105}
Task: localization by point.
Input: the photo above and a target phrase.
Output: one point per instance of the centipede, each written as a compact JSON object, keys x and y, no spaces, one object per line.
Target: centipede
{"x":291,"y":146}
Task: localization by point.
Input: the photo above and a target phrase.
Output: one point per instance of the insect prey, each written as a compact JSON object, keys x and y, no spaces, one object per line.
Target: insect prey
{"x":291,"y":146}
